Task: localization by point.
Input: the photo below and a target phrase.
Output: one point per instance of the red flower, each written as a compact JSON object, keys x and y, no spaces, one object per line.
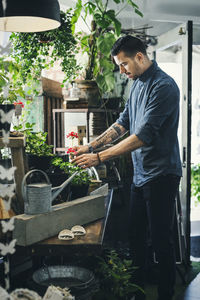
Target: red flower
{"x":19,"y":103}
{"x":72,"y":135}
{"x":71,"y":150}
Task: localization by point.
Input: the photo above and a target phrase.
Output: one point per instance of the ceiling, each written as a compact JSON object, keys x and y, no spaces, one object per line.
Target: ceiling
{"x":159,"y":15}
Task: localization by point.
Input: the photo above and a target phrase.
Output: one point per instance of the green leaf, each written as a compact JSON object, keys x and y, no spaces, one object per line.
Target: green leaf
{"x":76,"y":15}
{"x":90,"y":7}
{"x":110,"y":14}
{"x":106,"y":65}
{"x":130,"y":2}
{"x":117,"y":26}
{"x":139,"y":12}
{"x":105,"y":43}
{"x":135,"y":6}
{"x":106,"y":83}
{"x":101,"y":21}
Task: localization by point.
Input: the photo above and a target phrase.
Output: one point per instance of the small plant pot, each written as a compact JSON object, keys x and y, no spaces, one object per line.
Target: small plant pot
{"x":94,"y":184}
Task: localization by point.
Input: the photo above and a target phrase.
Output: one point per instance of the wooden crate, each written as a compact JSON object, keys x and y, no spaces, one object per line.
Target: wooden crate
{"x":30,"y":229}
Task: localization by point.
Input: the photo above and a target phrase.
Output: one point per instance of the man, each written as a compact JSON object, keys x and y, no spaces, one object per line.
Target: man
{"x":151,"y":116}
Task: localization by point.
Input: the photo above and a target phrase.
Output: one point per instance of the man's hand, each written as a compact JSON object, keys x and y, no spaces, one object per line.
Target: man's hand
{"x":86,"y":160}
{"x":81,"y":149}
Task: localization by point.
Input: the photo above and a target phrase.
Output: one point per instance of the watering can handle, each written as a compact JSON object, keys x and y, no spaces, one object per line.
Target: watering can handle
{"x":25,"y":178}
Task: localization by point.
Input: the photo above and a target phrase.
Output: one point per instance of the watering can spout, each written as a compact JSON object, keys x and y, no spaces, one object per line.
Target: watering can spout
{"x":58,"y":189}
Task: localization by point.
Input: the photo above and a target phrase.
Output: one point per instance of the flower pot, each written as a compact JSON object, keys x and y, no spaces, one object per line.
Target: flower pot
{"x":78,"y":191}
{"x":6,"y":114}
{"x":94,"y":184}
{"x":57,"y":179}
{"x":89,"y":93}
{"x":38,"y":162}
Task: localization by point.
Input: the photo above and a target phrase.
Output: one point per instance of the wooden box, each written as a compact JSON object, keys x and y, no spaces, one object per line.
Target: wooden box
{"x":30,"y":229}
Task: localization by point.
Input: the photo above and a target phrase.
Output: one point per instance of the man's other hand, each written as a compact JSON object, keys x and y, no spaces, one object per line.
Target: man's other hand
{"x":86,"y":160}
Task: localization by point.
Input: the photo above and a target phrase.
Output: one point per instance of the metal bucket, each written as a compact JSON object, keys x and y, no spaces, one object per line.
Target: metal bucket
{"x":80,"y":281}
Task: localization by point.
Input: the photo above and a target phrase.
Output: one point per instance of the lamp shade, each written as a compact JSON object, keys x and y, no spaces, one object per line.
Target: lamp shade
{"x":29,"y":15}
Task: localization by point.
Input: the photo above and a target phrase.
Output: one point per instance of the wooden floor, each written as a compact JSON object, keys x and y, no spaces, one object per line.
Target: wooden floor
{"x":192,"y":292}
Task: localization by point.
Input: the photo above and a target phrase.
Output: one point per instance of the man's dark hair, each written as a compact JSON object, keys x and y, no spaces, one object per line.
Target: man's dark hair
{"x":130,"y":45}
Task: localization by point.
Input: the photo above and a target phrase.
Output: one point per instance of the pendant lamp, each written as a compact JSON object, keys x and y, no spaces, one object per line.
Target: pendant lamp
{"x":29,"y":15}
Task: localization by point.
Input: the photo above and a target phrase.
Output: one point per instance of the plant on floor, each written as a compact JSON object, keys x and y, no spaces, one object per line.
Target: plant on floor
{"x":40,"y":50}
{"x":105,"y":28}
{"x":195,"y":182}
{"x":116,"y":275}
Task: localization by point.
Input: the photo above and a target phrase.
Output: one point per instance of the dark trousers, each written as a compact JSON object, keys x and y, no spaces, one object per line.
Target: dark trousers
{"x":152,"y":211}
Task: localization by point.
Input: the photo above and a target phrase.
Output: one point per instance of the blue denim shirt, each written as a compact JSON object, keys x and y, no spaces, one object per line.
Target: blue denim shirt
{"x":152,"y":113}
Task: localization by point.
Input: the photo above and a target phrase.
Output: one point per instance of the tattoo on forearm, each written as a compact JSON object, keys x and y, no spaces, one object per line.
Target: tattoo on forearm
{"x":110,"y":135}
{"x":117,"y":129}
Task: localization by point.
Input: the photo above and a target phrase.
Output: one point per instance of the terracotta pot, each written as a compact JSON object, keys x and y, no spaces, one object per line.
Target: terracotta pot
{"x":89,"y":92}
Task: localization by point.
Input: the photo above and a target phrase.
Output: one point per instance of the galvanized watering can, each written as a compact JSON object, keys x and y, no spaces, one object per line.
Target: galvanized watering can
{"x":38,"y":197}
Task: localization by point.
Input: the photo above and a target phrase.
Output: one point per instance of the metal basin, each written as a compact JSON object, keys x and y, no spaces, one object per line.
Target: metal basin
{"x":64,"y":276}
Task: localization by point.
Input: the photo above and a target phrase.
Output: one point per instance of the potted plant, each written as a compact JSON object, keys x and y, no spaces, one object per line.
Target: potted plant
{"x":39,"y":153}
{"x":80,"y":183}
{"x":116,"y":277}
{"x":40,"y":50}
{"x":105,"y":28}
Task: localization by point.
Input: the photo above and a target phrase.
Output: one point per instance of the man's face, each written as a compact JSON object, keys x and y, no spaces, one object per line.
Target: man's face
{"x":131,"y":66}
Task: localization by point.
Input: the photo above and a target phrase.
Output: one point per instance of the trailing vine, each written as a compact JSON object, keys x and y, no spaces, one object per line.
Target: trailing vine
{"x":40,"y":50}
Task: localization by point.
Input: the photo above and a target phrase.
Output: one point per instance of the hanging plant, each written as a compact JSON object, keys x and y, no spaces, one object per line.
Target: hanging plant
{"x":40,"y":50}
